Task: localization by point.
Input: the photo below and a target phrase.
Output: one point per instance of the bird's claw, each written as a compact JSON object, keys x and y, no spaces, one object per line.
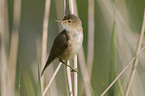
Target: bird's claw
{"x":74,"y":70}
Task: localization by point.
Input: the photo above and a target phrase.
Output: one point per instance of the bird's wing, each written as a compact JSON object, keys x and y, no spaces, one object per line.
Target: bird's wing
{"x":59,"y":45}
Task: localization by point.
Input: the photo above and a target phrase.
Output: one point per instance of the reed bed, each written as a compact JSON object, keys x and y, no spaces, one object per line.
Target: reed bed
{"x":110,"y":62}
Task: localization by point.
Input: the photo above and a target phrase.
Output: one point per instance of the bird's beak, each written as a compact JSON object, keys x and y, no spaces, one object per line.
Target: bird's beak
{"x":59,"y":21}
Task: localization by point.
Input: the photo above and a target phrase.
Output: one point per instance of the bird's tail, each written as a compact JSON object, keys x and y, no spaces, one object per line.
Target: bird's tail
{"x":47,"y":64}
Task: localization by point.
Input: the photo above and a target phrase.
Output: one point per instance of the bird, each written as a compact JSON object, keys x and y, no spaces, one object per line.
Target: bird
{"x":68,"y":42}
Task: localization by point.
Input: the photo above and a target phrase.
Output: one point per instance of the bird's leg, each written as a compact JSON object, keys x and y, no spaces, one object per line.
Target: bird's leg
{"x":72,"y":69}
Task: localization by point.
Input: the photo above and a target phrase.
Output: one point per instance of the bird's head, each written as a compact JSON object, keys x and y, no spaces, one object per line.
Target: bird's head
{"x":70,"y":22}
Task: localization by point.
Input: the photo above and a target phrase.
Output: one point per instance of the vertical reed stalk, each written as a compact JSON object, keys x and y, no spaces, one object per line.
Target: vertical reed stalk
{"x":66,"y":83}
{"x":112,"y":53}
{"x":65,"y":11}
{"x":84,"y":72}
{"x":69,"y":79}
{"x":19,"y":86}
{"x":14,"y":48}
{"x":3,"y":54}
{"x":137,"y":52}
{"x":73,"y":10}
{"x":91,"y":22}
{"x":45,"y":35}
{"x":71,"y":6}
{"x":75,"y":77}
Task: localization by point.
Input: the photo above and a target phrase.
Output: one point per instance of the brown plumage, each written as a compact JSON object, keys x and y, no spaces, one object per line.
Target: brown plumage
{"x":68,"y":42}
{"x":59,"y":45}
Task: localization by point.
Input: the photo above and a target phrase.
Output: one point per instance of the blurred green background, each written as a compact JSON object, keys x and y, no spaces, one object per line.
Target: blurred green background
{"x":128,"y":17}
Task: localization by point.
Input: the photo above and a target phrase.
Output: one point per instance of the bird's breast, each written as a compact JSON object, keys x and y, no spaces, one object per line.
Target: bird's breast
{"x":75,"y":41}
{"x":76,"y":36}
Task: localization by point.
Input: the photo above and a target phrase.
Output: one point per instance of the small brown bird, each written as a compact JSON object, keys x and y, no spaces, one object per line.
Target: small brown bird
{"x":68,"y":42}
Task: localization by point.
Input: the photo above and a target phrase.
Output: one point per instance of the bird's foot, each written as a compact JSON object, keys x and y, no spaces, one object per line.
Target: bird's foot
{"x":61,"y":61}
{"x":72,"y":69}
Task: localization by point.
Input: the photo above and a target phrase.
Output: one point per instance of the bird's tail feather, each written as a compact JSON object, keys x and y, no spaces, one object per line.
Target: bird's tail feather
{"x":47,"y":64}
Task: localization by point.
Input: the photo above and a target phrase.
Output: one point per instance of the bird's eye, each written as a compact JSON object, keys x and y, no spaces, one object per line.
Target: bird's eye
{"x":68,"y":21}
